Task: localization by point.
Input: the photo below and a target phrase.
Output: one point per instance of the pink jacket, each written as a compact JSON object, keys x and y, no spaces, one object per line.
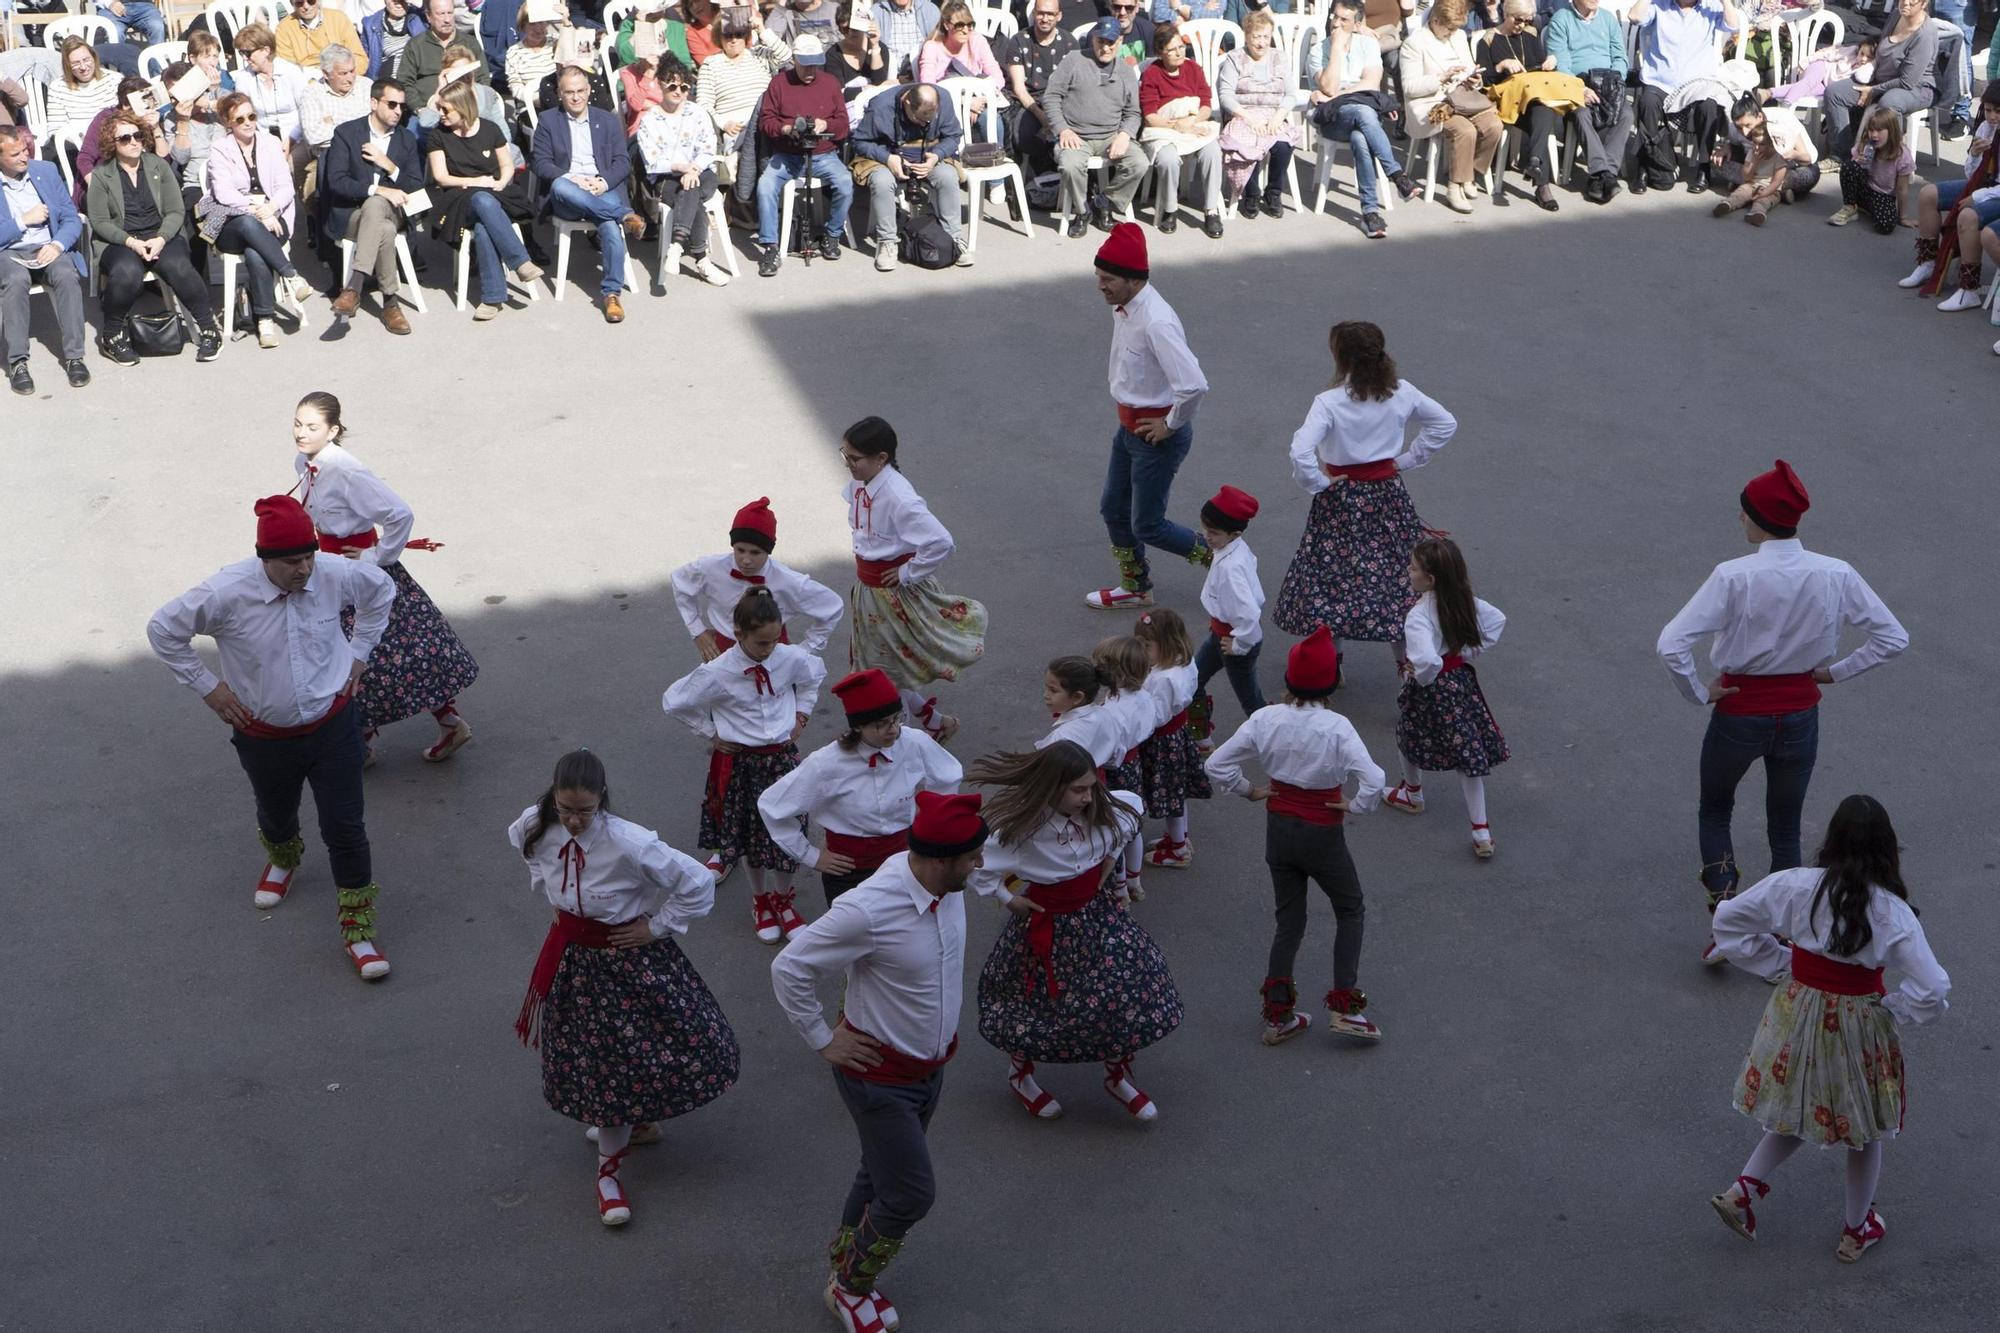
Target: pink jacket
{"x":229,"y":176}
{"x":934,"y":61}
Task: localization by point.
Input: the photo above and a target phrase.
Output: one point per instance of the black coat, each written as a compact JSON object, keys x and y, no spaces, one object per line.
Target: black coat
{"x":345,"y":176}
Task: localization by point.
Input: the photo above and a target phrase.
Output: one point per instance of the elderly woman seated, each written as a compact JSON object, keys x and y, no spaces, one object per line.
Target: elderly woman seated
{"x":1520,"y":76}
{"x":1442,"y":102}
{"x":1181,"y":130}
{"x":1258,"y":88}
{"x":136,"y":219}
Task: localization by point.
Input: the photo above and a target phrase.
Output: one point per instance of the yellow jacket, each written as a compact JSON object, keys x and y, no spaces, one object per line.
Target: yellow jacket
{"x":1557,"y":92}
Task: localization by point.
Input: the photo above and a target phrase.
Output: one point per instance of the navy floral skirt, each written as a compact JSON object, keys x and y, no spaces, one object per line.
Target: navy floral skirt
{"x":1170,"y":773}
{"x":1351,"y":572}
{"x":1122,"y":776}
{"x":1116,"y":993}
{"x":1446,"y":725}
{"x":632,"y":1035}
{"x":419,"y":665}
{"x":740,"y":833}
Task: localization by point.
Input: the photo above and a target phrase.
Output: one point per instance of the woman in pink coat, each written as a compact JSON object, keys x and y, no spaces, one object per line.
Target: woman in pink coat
{"x":249,"y":209}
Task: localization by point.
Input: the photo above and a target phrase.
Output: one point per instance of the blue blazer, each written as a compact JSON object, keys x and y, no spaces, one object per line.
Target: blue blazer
{"x":346,"y":175}
{"x":549,"y":155}
{"x":371,"y":37}
{"x":64,"y":224}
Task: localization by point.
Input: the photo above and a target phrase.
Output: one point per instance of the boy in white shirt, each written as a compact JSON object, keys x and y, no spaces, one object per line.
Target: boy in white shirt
{"x":1234,"y":600}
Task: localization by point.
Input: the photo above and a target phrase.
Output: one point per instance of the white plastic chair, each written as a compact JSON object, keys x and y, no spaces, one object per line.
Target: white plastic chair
{"x":1323,"y":164}
{"x":1294,"y":34}
{"x":36,"y":113}
{"x":1204,"y":38}
{"x":465,"y":272}
{"x":93,"y":28}
{"x":565,"y":229}
{"x":962,"y":91}
{"x":1807,"y":35}
{"x":607,"y":65}
{"x":231,"y":269}
{"x":160,"y":55}
{"x":615,"y":14}
{"x":1082,"y":30}
{"x":995,"y":24}
{"x":409,"y":290}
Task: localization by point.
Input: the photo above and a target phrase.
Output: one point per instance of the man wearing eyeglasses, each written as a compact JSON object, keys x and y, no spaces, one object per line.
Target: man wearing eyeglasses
{"x":371,"y":171}
{"x":1093,"y":105}
{"x":1030,"y":59}
{"x":581,"y":157}
{"x":912,"y":135}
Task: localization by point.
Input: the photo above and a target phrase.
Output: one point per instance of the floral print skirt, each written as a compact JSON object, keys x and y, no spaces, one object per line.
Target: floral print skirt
{"x":632,"y":1035}
{"x":1170,"y":773}
{"x":1446,"y":725}
{"x":1351,"y":572}
{"x":1115,"y":993}
{"x":419,"y":665}
{"x":1825,"y":1068}
{"x":915,"y":633}
{"x":740,"y":833}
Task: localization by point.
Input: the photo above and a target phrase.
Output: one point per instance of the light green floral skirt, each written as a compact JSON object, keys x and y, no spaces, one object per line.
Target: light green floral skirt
{"x":1825,"y":1068}
{"x":916,"y":633}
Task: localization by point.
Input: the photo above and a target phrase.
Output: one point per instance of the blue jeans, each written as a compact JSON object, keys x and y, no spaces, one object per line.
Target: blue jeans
{"x":827,"y":168}
{"x":1366,"y":139}
{"x":1134,"y":504}
{"x":1241,"y":669}
{"x":150,"y":26}
{"x":495,"y":247}
{"x":1788,"y":744}
{"x":572,"y":202}
{"x":1959,"y":14}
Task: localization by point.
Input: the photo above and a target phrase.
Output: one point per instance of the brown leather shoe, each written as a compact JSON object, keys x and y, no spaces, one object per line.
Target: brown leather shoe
{"x":614,"y":311}
{"x":635,"y":226}
{"x":349,"y":301}
{"x":393,"y":318}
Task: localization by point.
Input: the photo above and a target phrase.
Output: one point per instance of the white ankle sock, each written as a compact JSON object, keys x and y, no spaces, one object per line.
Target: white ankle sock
{"x":279,"y":874}
{"x":1024,"y":1082}
{"x":1475,"y":797}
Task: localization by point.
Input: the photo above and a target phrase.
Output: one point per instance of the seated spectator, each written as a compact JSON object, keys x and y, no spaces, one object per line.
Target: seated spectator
{"x":581,"y":158}
{"x":273,"y":88}
{"x":1257,"y":89}
{"x":139,"y":22}
{"x":1093,"y":105}
{"x":386,"y":34}
{"x":641,"y":89}
{"x":1515,"y":51}
{"x":804,"y":119}
{"x":1856,"y":62}
{"x":789,"y":18}
{"x":1904,"y":80}
{"x":1178,"y":109}
{"x":730,"y":82}
{"x":905,"y":137}
{"x":195,"y":133}
{"x":1348,"y":102}
{"x":473,"y":188}
{"x":372,"y":169}
{"x":1678,"y":44}
{"x":1588,"y":41}
{"x":1768,"y":159}
{"x":40,"y":235}
{"x":461,"y":65}
{"x":92,"y":148}
{"x":1960,"y":218}
{"x":856,"y":62}
{"x":423,"y":57}
{"x":1437,"y":64}
{"x":532,"y":59}
{"x":957,"y":49}
{"x":205,"y":52}
{"x":136,"y":220}
{"x":310,"y":28}
{"x":1031,"y":58}
{"x":86,"y":87}
{"x":334,"y":98}
{"x":903,"y":26}
{"x":1135,"y":32}
{"x":1875,"y":175}
{"x":249,"y":209}
{"x":677,"y":146}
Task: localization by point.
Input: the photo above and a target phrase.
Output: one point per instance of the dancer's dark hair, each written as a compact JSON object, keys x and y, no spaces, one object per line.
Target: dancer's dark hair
{"x":579,"y":770}
{"x":1858,"y":856}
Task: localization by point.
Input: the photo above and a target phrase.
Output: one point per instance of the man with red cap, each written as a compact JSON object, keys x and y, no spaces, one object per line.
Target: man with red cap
{"x":1156,"y":384}
{"x":288,"y":674}
{"x":706,"y":590}
{"x":899,"y":939}
{"x":1773,"y":620}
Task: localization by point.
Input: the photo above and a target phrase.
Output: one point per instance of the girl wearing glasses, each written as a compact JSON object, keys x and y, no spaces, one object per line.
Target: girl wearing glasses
{"x":677,"y":144}
{"x":249,"y":209}
{"x":86,"y":88}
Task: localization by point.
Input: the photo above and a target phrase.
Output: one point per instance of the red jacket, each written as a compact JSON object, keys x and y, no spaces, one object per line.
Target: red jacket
{"x":786,"y":99}
{"x":1157,"y":88}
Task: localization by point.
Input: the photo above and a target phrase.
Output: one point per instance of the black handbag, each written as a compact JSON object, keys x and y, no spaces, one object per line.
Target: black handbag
{"x":1611,"y":95}
{"x":156,"y":335}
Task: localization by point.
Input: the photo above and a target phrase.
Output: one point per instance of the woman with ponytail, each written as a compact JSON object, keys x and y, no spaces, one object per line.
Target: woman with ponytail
{"x":1825,"y":1065}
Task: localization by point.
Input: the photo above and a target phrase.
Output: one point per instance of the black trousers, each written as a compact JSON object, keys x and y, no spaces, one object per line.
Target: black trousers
{"x":1705,"y":120}
{"x":124,"y":277}
{"x":895,"y":1187}
{"x":684,"y":212}
{"x":279,"y":767}
{"x":1297,"y":852}
{"x":835,"y":885}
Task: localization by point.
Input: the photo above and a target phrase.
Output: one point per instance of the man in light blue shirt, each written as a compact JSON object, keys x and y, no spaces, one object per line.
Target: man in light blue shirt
{"x":1678,"y":42}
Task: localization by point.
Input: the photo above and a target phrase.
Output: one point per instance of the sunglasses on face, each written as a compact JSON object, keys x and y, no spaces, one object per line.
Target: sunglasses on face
{"x":676,"y":86}
{"x":127,"y":137}
{"x":250,"y":119}
{"x":387,"y":105}
{"x":961,"y":27}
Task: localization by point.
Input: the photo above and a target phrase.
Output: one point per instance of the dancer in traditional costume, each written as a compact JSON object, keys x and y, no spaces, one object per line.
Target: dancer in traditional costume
{"x":1170,"y":770}
{"x":630,"y":1034}
{"x":1233,"y":597}
{"x":1134,"y":714}
{"x":706,"y":590}
{"x":288,"y":676}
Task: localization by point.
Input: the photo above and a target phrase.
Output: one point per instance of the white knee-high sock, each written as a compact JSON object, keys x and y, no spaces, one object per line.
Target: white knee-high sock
{"x":1864,"y":1173}
{"x":1135,"y":850}
{"x":612,"y":1140}
{"x":1770,"y":1154}
{"x":1177,"y":828}
{"x":1475,"y":797}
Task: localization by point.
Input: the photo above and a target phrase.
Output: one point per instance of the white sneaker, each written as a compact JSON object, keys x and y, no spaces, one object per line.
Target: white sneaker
{"x":483,"y":312}
{"x":885,"y":259}
{"x":267,"y":333}
{"x":1965,"y":298}
{"x":710,"y":272}
{"x":300,"y":290}
{"x":965,"y":259}
{"x":670,"y":259}
{"x":1920,"y":275}
{"x":1116,"y":599}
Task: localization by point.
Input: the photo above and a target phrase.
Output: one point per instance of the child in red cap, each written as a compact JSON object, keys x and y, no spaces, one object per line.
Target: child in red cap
{"x":707,"y":589}
{"x":1233,"y":597}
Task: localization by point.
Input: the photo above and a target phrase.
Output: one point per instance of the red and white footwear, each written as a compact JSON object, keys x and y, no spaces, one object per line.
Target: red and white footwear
{"x":1117,"y":599}
{"x":1482,"y":842}
{"x":885,"y":1311}
{"x":368,"y":960}
{"x":1857,"y":1241}
{"x":272,"y":886}
{"x":764,"y":916}
{"x":790,"y":922}
{"x":714,"y":866}
{"x":1404,"y":797}
{"x":454,"y":738}
{"x":613,"y":1208}
{"x":1134,"y":890}
{"x":1037,"y":1103}
{"x":1118,"y":1082}
{"x":854,"y":1314}
{"x":1171,"y":855}
{"x":1733,"y":1205}
{"x":1711,"y":955}
{"x":1275,"y":1033}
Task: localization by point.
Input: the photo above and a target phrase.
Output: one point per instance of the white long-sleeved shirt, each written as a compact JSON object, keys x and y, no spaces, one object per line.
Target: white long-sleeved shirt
{"x":707,"y":590}
{"x":1304,"y":745}
{"x":346,"y":499}
{"x":1151,"y":364}
{"x":863,"y":792}
{"x":1059,"y":849}
{"x":1423,"y":641}
{"x":890,"y":519}
{"x":725,"y":699}
{"x":1341,"y":430}
{"x":1781,"y":904}
{"x":1173,"y":689}
{"x":624,"y":872}
{"x":1134,"y":714}
{"x":903,"y":953}
{"x":1233,"y":594}
{"x":1779,"y":612}
{"x":283,"y":655}
{"x":1095,"y":727}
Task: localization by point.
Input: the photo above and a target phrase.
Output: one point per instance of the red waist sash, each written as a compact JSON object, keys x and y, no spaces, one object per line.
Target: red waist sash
{"x":1058,"y":899}
{"x":1130,"y":417}
{"x":870,"y":572}
{"x":568,"y":928}
{"x":897,"y":1067}
{"x":264,"y":731}
{"x":1768,"y":696}
{"x":1307,"y":803}
{"x":1452,"y":662}
{"x":1178,"y":722}
{"x":867,"y":853}
{"x":1221,"y":629}
{"x":1834,"y":977}
{"x":1381,"y":470}
{"x":721,"y":766}
{"x":360,"y":541}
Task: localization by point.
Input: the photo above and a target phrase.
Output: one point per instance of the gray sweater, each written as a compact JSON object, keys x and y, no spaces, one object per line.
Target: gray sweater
{"x":1910,"y":64}
{"x":1096,"y":101}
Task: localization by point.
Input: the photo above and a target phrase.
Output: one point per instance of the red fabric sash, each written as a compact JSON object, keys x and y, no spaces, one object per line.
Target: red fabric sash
{"x":360,"y":541}
{"x":568,"y":928}
{"x":1381,"y":470}
{"x":1059,"y":899}
{"x":1306,"y":803}
{"x":867,"y":853}
{"x":721,"y":766}
{"x":897,"y":1067}
{"x":1130,"y":417}
{"x":870,"y":572}
{"x":264,"y":731}
{"x":1832,"y":976}
{"x":1452,"y":662}
{"x":1221,"y":629}
{"x":1768,"y":696}
{"x":1178,"y":722}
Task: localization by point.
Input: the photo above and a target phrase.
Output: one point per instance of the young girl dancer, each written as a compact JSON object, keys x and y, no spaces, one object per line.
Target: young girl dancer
{"x":629,"y":1033}
{"x":1875,"y":177}
{"x":1826,"y":1064}
{"x":1317,"y":772}
{"x":707,"y":590}
{"x":1170,"y":771}
{"x":1442,"y":721}
{"x":420,"y":666}
{"x":1349,"y":456}
{"x":1073,"y":690}
{"x":1133,"y":714}
{"x":861,"y":790}
{"x":750,"y":704}
{"x":904,"y":623}
{"x":1072,"y":978}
